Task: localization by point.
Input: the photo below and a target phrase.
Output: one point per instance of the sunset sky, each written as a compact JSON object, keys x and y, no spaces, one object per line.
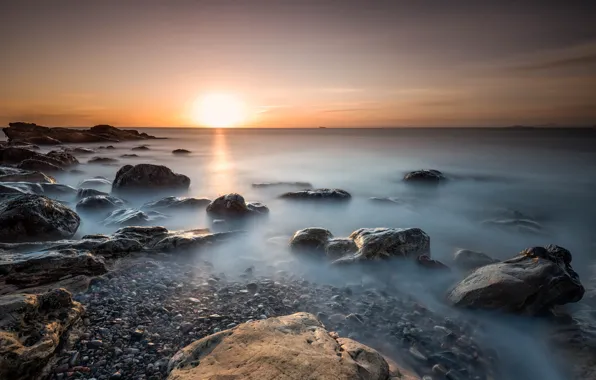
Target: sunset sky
{"x":299,"y":63}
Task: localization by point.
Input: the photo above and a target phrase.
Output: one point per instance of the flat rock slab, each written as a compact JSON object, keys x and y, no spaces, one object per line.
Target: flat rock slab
{"x":296,"y":346}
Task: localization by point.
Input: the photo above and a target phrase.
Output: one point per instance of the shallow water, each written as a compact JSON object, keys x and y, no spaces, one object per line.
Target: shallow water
{"x":549,"y":176}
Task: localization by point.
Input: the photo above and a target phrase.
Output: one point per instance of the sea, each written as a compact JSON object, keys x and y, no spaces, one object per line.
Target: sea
{"x":545,"y":177}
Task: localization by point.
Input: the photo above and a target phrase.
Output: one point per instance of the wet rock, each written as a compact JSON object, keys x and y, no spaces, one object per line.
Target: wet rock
{"x":36,"y":218}
{"x":18,"y":175}
{"x":51,"y":190}
{"x":78,"y":150}
{"x":425,"y":176}
{"x":148,"y":176}
{"x":132,"y":155}
{"x":181,"y":151}
{"x":102,"y":160}
{"x":49,"y":267}
{"x":36,"y":134}
{"x":426,"y":262}
{"x":318,"y":194}
{"x":385,"y":243}
{"x":32,"y":326}
{"x":141,"y":147}
{"x":518,"y":284}
{"x":96,"y":183}
{"x":130,"y":217}
{"x":177,"y":203}
{"x":84,"y":193}
{"x":234,"y":206}
{"x":301,"y":185}
{"x":308,"y":351}
{"x":466,"y":259}
{"x":63,"y":158}
{"x":340,"y":247}
{"x":38,"y":165}
{"x":99,"y":203}
{"x":109,"y":147}
{"x":312,"y":240}
{"x":179,"y":241}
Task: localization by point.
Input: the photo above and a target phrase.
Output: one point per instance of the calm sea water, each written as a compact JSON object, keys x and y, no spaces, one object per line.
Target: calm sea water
{"x":547,"y":175}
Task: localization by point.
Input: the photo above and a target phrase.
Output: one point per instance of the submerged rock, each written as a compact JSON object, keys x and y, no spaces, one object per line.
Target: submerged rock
{"x":234,"y":206}
{"x":64,"y":158}
{"x":533,"y":282}
{"x":425,"y":176}
{"x":141,"y":147}
{"x":102,"y":160}
{"x":32,"y":326}
{"x":99,"y":203}
{"x":51,"y":190}
{"x":466,"y":259}
{"x":49,"y":267}
{"x":36,"y":218}
{"x":181,"y":151}
{"x":318,"y":194}
{"x":384,"y":243}
{"x":516,"y":225}
{"x":38,"y":165}
{"x":36,"y":134}
{"x":18,"y":175}
{"x":130,"y":217}
{"x":132,"y":155}
{"x":177,"y":203}
{"x":302,"y":185}
{"x":148,"y":177}
{"x":84,"y":193}
{"x":295,"y":346}
{"x":95,"y":183}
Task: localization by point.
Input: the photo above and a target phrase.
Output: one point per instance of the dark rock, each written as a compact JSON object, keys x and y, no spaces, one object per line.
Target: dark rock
{"x":107,"y":147}
{"x":102,"y":160}
{"x":36,"y":218}
{"x":181,"y":151}
{"x":531,"y":283}
{"x":148,"y":176}
{"x":18,"y":175}
{"x":78,"y":150}
{"x":466,"y":259}
{"x":177,"y":203}
{"x":301,"y":185}
{"x":51,"y":190}
{"x":64,"y":158}
{"x":141,"y":147}
{"x":32,"y":133}
{"x":129,"y":155}
{"x":38,"y":165}
{"x":426,"y":262}
{"x":50,"y":267}
{"x":32,"y":326}
{"x":84,"y":193}
{"x":425,"y":176}
{"x":340,"y":247}
{"x":310,"y":240}
{"x":318,"y":194}
{"x":234,"y":206}
{"x":96,"y":183}
{"x":130,"y":217}
{"x":99,"y":203}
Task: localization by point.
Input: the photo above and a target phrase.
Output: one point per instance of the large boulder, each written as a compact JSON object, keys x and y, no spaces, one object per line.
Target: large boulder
{"x":385,"y":243}
{"x":425,"y":176}
{"x":318,"y":194}
{"x":466,"y":259}
{"x":36,"y":218}
{"x":148,"y":177}
{"x":530,"y":283}
{"x":49,"y":267}
{"x":99,"y":203}
{"x":32,"y":327}
{"x":36,"y":134}
{"x":313,"y":240}
{"x":234,"y":206}
{"x":177,"y":203}
{"x":296,"y":346}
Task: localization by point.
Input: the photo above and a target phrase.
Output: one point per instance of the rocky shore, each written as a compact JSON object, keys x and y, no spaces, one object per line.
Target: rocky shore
{"x":143,"y":302}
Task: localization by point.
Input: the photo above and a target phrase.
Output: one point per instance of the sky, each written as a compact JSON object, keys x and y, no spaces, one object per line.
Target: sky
{"x":300,"y":63}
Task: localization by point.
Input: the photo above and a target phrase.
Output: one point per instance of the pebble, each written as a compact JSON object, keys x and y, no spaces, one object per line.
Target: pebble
{"x":94,"y":343}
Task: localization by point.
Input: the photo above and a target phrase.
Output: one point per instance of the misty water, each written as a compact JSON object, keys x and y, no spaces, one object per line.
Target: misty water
{"x":547,"y":176}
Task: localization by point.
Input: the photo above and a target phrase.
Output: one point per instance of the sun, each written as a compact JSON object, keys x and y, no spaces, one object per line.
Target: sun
{"x":219,"y":111}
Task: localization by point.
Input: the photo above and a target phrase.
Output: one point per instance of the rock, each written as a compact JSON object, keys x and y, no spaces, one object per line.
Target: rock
{"x":148,"y":176}
{"x":177,"y":203}
{"x":130,"y":217}
{"x":129,"y":155}
{"x":15,"y":155}
{"x":425,"y":176}
{"x":516,"y":225}
{"x":107,"y":147}
{"x":64,"y":158}
{"x":181,"y":151}
{"x":96,"y":183}
{"x":318,"y":194}
{"x":32,"y":326}
{"x":234,"y":206}
{"x":99,"y":203}
{"x":312,"y":240}
{"x":101,"y":160}
{"x":51,"y":190}
{"x":84,"y":193}
{"x":466,"y":259}
{"x":36,"y":218}
{"x":192,"y":240}
{"x":426,"y":262}
{"x":37,"y":165}
{"x":18,"y":175}
{"x":49,"y":267}
{"x":530,"y":283}
{"x":294,"y":346}
{"x":301,"y":185}
{"x":141,"y":147}
{"x":385,"y":243}
{"x":35,"y":134}
{"x":340,"y":247}
{"x":78,"y":150}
